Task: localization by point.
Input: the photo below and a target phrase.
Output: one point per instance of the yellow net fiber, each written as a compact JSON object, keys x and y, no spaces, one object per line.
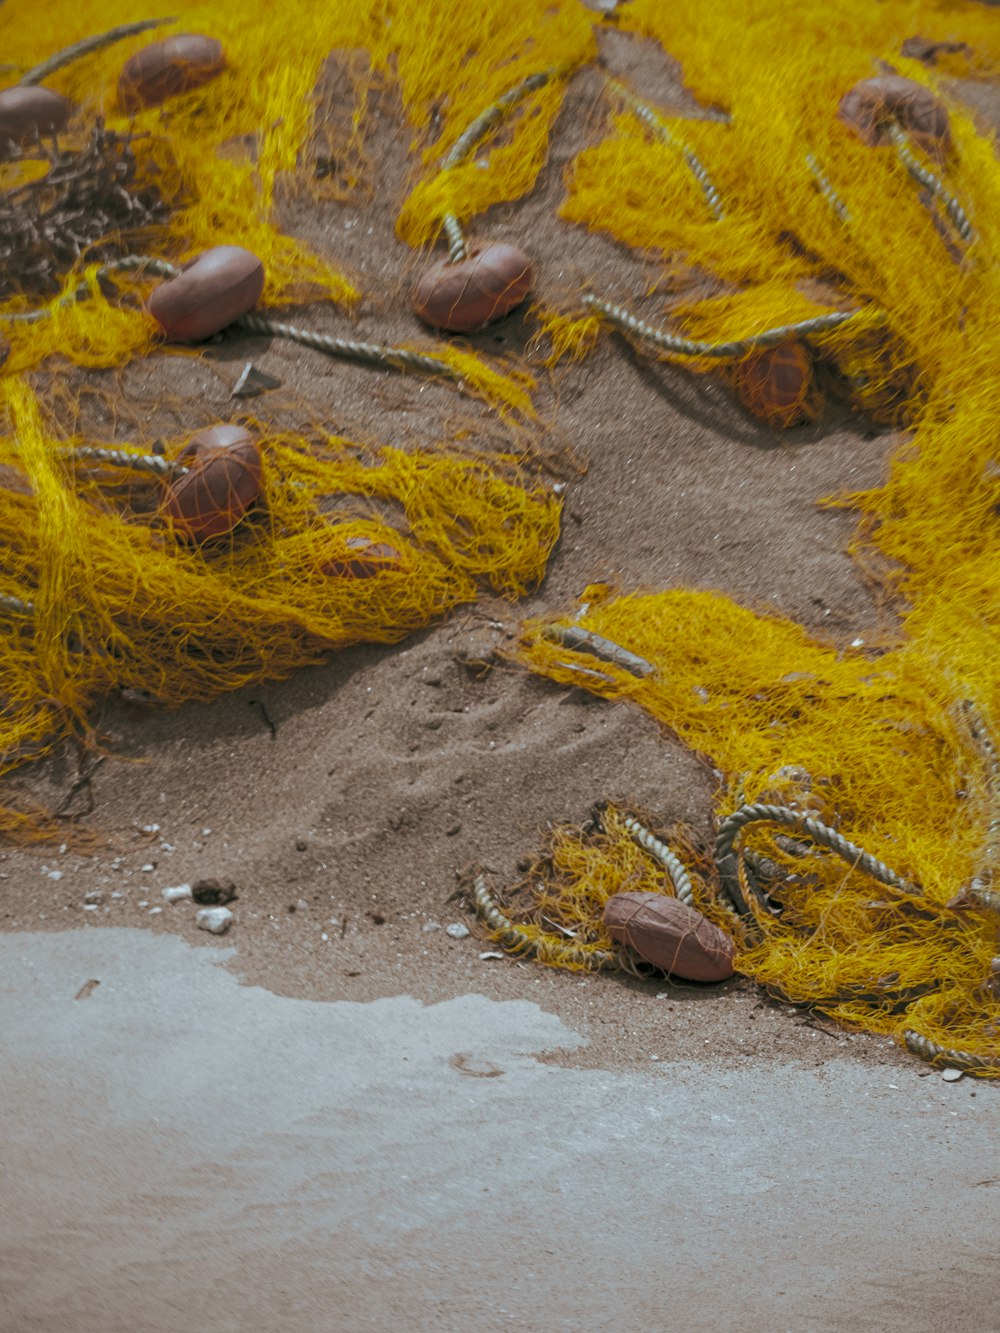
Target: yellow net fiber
{"x":114,"y":600}
{"x":570,"y":885}
{"x":809,"y":220}
{"x":220,"y":154}
{"x":880,"y":740}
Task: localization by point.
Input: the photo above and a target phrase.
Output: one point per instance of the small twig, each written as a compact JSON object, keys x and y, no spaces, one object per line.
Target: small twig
{"x":265,"y":717}
{"x":81,"y":783}
{"x":677,"y":346}
{"x":818,"y":1027}
{"x":662,"y":131}
{"x":586,"y":641}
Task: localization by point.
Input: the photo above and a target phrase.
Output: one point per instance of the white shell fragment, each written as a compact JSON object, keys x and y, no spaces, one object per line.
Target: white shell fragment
{"x":177,"y":893}
{"x":215,"y":919}
{"x":456,"y":930}
{"x":952,"y":1075}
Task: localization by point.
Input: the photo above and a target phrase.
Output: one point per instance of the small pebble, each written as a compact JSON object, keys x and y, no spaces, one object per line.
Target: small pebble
{"x":428,"y":926}
{"x":177,"y":893}
{"x":142,"y":903}
{"x":952,"y":1075}
{"x":148,"y":866}
{"x":215,"y":919}
{"x":94,"y":896}
{"x":90,"y":907}
{"x":488,"y":954}
{"x":153,"y":910}
{"x":456,"y":930}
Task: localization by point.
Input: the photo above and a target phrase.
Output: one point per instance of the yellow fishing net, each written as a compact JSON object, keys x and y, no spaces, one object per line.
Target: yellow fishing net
{"x":884,"y":746}
{"x":97,"y":592}
{"x":109,"y":599}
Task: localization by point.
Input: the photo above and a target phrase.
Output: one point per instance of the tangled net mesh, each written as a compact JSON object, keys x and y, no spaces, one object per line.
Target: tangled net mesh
{"x":882,"y":739}
{"x":97,"y":591}
{"x":809,"y":220}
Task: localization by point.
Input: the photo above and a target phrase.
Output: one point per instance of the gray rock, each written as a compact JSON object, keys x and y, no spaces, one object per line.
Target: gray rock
{"x":457,"y":931}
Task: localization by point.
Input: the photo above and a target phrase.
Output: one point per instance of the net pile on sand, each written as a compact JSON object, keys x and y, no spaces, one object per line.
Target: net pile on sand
{"x":841,"y":210}
{"x":894,"y":750}
{"x":202,"y":567}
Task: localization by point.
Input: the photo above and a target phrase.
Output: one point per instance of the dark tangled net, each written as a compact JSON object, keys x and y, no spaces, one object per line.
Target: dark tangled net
{"x":84,"y":202}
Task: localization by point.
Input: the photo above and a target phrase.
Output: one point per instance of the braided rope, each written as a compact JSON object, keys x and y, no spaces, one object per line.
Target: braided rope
{"x":159,"y":268}
{"x":373,"y":353}
{"x":457,"y":247}
{"x":153,"y":464}
{"x":678,"y":346}
{"x":475,"y":132}
{"x":980,"y":887}
{"x":662,"y":131}
{"x":672,"y":864}
{"x":86,"y":45}
{"x":473,"y":135}
{"x":554,"y":947}
{"x":826,"y":189}
{"x":733,"y":824}
{"x":948,"y":1058}
{"x":583,"y":640}
{"x":925,"y":177}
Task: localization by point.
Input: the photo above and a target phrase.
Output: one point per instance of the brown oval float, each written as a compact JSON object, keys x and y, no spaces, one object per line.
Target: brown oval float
{"x":873,"y":104}
{"x":670,"y":935}
{"x":776,"y":384}
{"x":169,"y":67}
{"x":223,"y":481}
{"x":29,"y":112}
{"x":208,"y":293}
{"x":465,"y":297}
{"x":367,"y":559}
